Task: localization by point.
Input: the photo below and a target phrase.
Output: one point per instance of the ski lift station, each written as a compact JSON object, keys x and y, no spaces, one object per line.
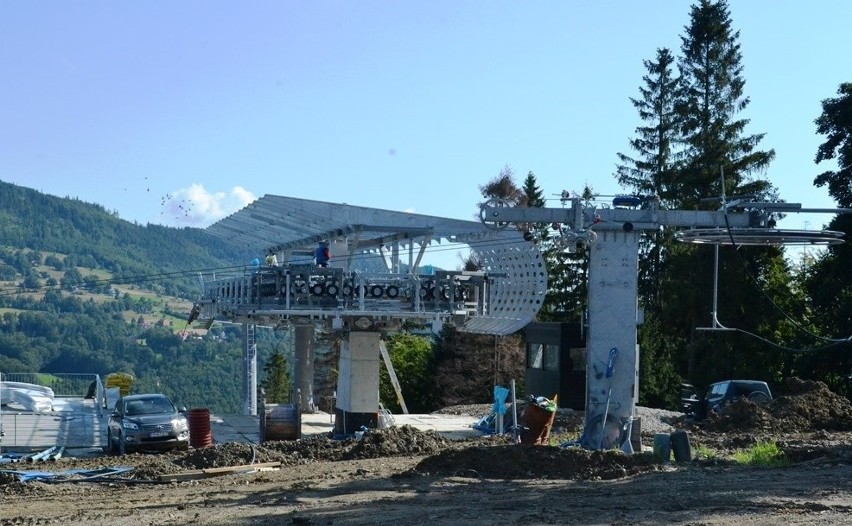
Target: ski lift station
{"x":375,"y":282}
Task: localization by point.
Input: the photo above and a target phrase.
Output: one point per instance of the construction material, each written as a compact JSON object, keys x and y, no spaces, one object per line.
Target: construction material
{"x":392,"y":374}
{"x":217,"y":472}
{"x":281,"y":422}
{"x":199,"y":428}
{"x":123,"y":381}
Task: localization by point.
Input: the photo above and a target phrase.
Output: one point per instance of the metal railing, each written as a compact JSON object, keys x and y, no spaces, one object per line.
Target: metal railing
{"x":69,"y":385}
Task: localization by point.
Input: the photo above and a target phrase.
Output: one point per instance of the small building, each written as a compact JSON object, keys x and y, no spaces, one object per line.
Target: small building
{"x":556,"y":362}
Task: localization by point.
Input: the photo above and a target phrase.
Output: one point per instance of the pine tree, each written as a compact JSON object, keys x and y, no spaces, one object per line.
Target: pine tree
{"x":712,"y":94}
{"x":653,"y":171}
{"x":710,"y":97}
{"x":277,"y":382}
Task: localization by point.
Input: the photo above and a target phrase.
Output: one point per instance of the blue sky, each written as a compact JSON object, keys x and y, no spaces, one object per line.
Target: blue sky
{"x":181,"y":112}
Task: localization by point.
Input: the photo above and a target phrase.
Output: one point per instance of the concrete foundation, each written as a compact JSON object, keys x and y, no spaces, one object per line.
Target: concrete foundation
{"x":358,"y":383}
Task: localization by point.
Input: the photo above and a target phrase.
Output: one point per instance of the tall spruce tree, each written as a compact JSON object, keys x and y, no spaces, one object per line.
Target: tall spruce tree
{"x":712,"y":94}
{"x":653,"y":171}
{"x":714,"y":140}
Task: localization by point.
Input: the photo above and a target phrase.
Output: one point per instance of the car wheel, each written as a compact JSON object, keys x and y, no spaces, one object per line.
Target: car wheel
{"x":184,"y":446}
{"x":759,"y":398}
{"x":122,"y":447}
{"x":110,"y":447}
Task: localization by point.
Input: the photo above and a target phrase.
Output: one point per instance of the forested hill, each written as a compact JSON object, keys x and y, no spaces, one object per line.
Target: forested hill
{"x":95,"y":238}
{"x":83,"y":291}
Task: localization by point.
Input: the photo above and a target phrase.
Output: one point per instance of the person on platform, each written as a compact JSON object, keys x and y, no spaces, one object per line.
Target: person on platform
{"x":322,"y":254}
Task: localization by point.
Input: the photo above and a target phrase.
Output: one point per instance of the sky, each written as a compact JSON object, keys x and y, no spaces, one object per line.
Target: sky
{"x":180,"y":113}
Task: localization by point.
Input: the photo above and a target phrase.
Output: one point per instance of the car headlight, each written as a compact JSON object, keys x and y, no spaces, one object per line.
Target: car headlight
{"x":129,"y":425}
{"x":180,"y":424}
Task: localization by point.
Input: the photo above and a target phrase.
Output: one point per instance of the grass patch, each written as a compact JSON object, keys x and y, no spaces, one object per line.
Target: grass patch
{"x":763,"y":455}
{"x":701,"y":452}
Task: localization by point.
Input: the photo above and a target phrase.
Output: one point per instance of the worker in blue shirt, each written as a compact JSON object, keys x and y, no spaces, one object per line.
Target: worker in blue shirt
{"x":322,"y":254}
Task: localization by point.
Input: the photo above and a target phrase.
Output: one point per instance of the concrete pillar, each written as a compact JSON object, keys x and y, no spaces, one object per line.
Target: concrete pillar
{"x":613,"y":311}
{"x":358,"y":383}
{"x":303,"y":368}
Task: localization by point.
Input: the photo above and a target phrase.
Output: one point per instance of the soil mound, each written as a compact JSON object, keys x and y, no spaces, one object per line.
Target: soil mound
{"x":396,"y":441}
{"x":807,"y":406}
{"x":525,"y":462}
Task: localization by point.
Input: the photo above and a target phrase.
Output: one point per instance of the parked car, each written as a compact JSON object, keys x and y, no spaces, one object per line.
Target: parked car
{"x":721,"y":394}
{"x":147,"y":422}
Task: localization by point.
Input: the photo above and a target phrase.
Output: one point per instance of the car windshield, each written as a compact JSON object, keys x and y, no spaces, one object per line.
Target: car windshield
{"x":149,"y":406}
{"x":717,"y":390}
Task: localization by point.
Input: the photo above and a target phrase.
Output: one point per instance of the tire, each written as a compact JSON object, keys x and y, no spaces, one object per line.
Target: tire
{"x":122,"y":447}
{"x":110,"y":446}
{"x":680,"y":446}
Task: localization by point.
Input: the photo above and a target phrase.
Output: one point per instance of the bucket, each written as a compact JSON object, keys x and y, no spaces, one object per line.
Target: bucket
{"x":537,"y":422}
{"x":199,"y":428}
{"x":663,"y":447}
{"x":281,"y":422}
{"x":680,"y":446}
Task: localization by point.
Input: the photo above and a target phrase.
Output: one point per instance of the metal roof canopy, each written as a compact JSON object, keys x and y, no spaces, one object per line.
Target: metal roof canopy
{"x":294,"y":226}
{"x":287,"y":223}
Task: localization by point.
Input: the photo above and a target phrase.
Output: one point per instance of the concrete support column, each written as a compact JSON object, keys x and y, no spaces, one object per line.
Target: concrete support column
{"x":358,"y":383}
{"x":303,"y":368}
{"x":612,"y":349}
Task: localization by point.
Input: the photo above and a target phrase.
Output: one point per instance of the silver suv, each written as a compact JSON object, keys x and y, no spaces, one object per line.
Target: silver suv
{"x":147,"y":422}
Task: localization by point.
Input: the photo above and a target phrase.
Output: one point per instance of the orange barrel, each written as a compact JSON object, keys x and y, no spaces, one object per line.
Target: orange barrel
{"x":199,"y":428}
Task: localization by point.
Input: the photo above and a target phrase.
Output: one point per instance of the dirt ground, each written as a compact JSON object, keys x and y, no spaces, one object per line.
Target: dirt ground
{"x":402,"y":476}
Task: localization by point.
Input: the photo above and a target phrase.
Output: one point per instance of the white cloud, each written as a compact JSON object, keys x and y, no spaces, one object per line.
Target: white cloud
{"x":195,"y":206}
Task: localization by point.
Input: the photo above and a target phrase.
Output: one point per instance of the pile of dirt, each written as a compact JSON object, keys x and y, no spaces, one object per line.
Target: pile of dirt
{"x":375,"y":443}
{"x":397,"y":441}
{"x":807,"y":406}
{"x":225,"y":455}
{"x":546,"y":462}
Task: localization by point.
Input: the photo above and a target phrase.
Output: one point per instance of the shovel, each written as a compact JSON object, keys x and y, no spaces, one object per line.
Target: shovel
{"x":610,"y":368}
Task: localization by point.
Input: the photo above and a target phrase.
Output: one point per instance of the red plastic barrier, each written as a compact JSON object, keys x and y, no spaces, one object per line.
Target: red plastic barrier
{"x":199,"y":428}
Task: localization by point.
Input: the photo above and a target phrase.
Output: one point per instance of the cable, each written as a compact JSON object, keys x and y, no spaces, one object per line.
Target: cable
{"x":765,"y":294}
{"x":835,"y":343}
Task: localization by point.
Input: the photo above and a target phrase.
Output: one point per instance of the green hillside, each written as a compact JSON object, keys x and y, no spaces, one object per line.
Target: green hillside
{"x":83,"y":291}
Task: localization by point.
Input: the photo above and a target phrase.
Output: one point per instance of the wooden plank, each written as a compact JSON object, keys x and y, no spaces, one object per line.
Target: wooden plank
{"x":216,"y":472}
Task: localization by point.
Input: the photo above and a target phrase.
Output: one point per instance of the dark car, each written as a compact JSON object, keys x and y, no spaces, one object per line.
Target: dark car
{"x":147,"y":422}
{"x":721,"y":394}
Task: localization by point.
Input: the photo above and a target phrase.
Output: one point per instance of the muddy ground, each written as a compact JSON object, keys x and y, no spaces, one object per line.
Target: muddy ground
{"x":402,"y":476}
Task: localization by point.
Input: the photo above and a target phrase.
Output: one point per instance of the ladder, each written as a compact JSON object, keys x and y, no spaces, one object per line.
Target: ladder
{"x":394,"y":380}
